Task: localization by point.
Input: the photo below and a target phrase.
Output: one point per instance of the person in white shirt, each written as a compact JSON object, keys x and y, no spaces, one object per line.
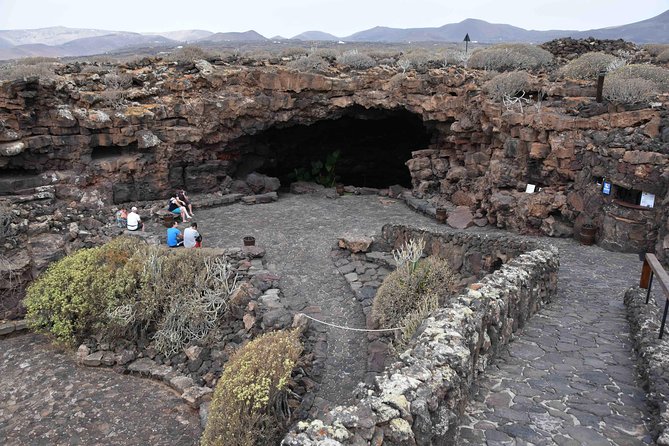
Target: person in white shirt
{"x":134,"y":221}
{"x":190,"y":236}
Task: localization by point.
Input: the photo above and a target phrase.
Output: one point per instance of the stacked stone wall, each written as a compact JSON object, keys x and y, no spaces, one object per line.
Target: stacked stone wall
{"x":419,"y":398}
{"x":652,"y":356}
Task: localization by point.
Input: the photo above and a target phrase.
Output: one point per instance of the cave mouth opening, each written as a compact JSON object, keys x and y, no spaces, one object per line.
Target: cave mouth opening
{"x":373,"y":147}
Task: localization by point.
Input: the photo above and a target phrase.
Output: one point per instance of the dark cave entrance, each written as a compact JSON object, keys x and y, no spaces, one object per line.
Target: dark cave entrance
{"x":374,"y":145}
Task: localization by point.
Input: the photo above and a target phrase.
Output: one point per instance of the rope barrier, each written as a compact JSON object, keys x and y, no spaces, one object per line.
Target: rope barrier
{"x":349,"y":328}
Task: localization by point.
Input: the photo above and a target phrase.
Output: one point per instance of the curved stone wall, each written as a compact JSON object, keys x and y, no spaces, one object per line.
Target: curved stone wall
{"x":419,"y":398}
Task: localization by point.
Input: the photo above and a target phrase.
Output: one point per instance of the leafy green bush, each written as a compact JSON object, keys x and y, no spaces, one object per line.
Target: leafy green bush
{"x":509,"y":57}
{"x":321,"y":172}
{"x":128,"y":289}
{"x":70,"y":298}
{"x":507,"y":85}
{"x":588,"y":65}
{"x":246,"y":407}
{"x":356,"y":60}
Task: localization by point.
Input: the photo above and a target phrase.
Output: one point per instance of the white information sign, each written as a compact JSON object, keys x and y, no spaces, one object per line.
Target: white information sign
{"x":647,"y":200}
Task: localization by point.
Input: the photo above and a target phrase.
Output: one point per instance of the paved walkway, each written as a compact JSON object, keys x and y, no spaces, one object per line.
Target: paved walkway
{"x":298,"y":233}
{"x":569,"y":378}
{"x":46,"y":399}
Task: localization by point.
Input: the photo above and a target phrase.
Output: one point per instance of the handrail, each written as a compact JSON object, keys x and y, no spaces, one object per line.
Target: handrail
{"x":652,"y":267}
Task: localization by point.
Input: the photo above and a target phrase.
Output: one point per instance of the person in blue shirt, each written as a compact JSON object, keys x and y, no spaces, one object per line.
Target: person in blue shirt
{"x":174,"y":237}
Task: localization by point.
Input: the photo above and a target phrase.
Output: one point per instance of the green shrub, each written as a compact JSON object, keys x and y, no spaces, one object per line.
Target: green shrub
{"x":243,"y":410}
{"x":509,"y":57}
{"x":70,"y":298}
{"x":589,"y":65}
{"x":128,"y":289}
{"x":411,"y":292}
{"x":356,"y":60}
{"x":507,"y":85}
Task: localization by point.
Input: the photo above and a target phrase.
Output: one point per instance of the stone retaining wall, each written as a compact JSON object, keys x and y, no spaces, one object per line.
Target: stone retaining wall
{"x":418,"y":400}
{"x":653,"y":358}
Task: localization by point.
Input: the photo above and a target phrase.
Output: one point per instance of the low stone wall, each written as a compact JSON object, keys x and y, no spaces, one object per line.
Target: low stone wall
{"x":653,"y":358}
{"x":418,"y":400}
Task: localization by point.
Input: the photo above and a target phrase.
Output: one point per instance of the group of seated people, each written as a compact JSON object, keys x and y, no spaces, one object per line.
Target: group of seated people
{"x":131,"y":221}
{"x":180,"y":205}
{"x":190,"y":238}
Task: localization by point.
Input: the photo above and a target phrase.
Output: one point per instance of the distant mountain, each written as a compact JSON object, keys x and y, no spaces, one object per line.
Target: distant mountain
{"x":61,"y":41}
{"x":248,"y":36}
{"x":30,"y":50}
{"x":112,"y":42}
{"x":316,"y":35}
{"x":187,"y":35}
{"x":653,"y":30}
{"x":478,"y":30}
{"x":86,"y":46}
{"x":4,"y":43}
{"x":55,"y":35}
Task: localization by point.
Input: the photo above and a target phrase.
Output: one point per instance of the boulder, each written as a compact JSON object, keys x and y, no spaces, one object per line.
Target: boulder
{"x":355,"y":243}
{"x":304,"y":187}
{"x":460,"y":218}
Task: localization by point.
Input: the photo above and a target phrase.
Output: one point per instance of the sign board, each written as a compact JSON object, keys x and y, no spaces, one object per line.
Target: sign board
{"x":647,"y":200}
{"x":606,"y":188}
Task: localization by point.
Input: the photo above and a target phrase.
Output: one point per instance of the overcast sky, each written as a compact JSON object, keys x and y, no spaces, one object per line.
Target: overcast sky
{"x":339,"y":17}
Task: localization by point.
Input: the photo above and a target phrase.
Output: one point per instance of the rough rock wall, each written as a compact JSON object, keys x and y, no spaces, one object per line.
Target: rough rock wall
{"x":486,"y":163}
{"x":181,"y":129}
{"x":652,"y":356}
{"x":419,"y":398}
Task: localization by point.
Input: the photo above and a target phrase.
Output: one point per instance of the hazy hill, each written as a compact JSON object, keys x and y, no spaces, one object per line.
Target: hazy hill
{"x":30,"y":50}
{"x":478,"y":30}
{"x":53,"y":36}
{"x":61,"y":41}
{"x":653,"y":30}
{"x":186,"y":35}
{"x":111,"y":42}
{"x":248,"y":36}
{"x":316,"y":35}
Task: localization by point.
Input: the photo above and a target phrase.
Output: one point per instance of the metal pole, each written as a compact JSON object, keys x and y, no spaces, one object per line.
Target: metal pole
{"x":650,"y":284}
{"x":600,"y":85}
{"x":664,"y":318}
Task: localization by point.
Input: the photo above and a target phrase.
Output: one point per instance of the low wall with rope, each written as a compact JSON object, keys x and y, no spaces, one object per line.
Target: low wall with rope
{"x":419,"y":398}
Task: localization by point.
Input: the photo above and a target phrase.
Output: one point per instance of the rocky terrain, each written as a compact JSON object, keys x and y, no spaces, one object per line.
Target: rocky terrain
{"x":75,"y":146}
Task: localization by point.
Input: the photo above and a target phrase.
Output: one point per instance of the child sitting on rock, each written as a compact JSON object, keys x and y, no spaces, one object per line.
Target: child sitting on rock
{"x":122,"y":217}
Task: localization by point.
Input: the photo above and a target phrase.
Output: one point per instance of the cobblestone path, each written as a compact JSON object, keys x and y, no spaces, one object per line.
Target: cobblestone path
{"x":46,"y":399}
{"x":569,"y":377}
{"x":298,"y":233}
